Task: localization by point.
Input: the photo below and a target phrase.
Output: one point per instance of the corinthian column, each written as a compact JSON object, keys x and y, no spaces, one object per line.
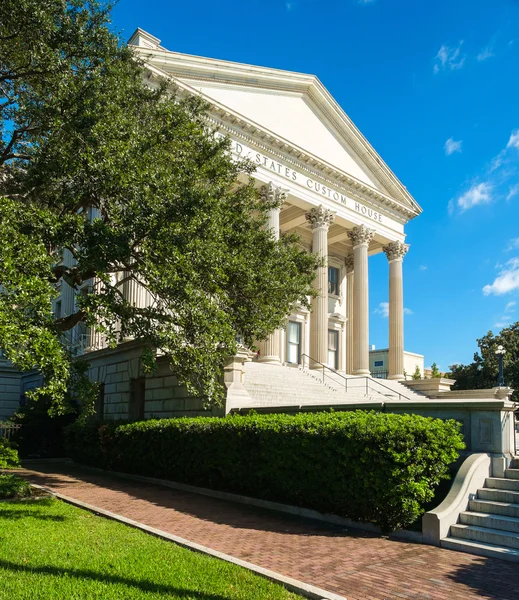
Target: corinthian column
{"x":270,"y":349}
{"x":320,"y":219}
{"x":395,"y":252}
{"x":349,"y":313}
{"x":361,"y":237}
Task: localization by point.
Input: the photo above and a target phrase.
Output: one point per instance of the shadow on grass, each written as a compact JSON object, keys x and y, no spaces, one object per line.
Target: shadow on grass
{"x":12,"y":514}
{"x":141,"y":584}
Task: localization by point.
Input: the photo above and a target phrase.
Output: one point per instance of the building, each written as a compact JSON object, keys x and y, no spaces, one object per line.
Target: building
{"x":379,"y":363}
{"x":337,"y":194}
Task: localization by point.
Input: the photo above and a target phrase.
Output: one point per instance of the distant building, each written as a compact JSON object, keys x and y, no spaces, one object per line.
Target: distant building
{"x":379,"y":363}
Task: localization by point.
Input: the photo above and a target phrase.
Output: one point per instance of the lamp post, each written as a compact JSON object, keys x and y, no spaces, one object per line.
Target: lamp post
{"x":500,"y":353}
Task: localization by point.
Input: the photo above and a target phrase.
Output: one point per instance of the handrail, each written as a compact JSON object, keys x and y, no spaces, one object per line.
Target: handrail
{"x":347,"y":379}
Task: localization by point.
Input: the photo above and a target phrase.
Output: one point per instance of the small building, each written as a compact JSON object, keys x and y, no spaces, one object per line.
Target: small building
{"x":379,"y":363}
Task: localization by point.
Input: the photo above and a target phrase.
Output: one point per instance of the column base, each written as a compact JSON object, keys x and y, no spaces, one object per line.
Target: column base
{"x":271,"y":360}
{"x":398,"y":377}
{"x":363,"y":372}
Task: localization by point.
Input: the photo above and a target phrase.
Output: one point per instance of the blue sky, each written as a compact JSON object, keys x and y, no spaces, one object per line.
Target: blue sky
{"x":434,"y":86}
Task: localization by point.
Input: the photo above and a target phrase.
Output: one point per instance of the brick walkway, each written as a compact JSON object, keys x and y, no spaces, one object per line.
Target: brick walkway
{"x":348,"y":562}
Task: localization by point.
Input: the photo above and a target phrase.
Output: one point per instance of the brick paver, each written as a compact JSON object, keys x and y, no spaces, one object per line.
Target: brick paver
{"x":345,"y":561}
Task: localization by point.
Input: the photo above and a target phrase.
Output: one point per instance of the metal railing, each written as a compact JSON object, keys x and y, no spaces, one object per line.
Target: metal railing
{"x":7,"y":430}
{"x":380,"y":374}
{"x":333,"y":374}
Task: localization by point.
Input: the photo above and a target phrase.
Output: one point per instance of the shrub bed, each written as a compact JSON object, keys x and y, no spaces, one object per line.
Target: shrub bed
{"x":13,"y":486}
{"x":367,"y":466}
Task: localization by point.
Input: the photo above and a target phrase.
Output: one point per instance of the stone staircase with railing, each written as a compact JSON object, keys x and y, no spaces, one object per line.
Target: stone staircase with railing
{"x":283,"y":386}
{"x":490,"y":525}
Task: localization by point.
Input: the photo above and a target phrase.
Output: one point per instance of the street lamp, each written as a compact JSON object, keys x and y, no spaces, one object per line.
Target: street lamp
{"x":500,"y":353}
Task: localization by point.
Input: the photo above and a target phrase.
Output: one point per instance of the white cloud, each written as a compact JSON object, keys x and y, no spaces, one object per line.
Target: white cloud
{"x":513,"y":191}
{"x":485,"y":53}
{"x":452,"y":146}
{"x":479,"y":193}
{"x":383,"y":310}
{"x":289,"y":5}
{"x":507,"y":280}
{"x":449,"y":59}
{"x":513,"y":142}
{"x":510,"y":307}
{"x":513,"y":244}
{"x":423,"y":267}
{"x":366,"y":1}
{"x":501,"y":324}
{"x":497,"y":161}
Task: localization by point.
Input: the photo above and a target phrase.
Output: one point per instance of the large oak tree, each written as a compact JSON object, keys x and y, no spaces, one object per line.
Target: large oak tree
{"x":82,"y":134}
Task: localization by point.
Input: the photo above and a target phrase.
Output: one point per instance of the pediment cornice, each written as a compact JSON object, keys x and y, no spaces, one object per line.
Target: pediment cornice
{"x":238,"y":125}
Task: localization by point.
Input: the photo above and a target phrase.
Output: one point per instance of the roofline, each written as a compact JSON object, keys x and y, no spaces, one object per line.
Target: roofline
{"x":193,"y":68}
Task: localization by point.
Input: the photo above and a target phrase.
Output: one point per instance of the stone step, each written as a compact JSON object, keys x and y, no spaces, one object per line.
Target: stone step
{"x":278,"y":391}
{"x":505,"y":509}
{"x":498,"y":495}
{"x":502,"y":483}
{"x":491,"y":521}
{"x":512,"y":473}
{"x":481,"y":549}
{"x":487,"y":535}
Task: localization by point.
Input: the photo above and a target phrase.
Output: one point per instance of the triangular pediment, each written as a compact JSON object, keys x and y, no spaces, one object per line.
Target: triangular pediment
{"x":294,"y":117}
{"x":292,"y":106}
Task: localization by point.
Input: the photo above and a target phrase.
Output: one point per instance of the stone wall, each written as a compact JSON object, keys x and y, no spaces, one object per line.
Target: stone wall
{"x":118,"y":369}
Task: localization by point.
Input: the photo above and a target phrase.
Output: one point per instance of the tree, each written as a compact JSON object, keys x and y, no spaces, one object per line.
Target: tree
{"x":483,"y":371}
{"x":133,"y":184}
{"x":435,"y":372}
{"x":417,"y":373}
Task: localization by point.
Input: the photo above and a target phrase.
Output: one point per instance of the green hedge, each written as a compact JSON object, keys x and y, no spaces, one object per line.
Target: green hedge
{"x":368,"y":466}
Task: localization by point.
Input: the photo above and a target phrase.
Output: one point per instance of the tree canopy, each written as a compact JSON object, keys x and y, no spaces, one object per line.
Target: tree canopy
{"x":128,"y":178}
{"x":483,"y":371}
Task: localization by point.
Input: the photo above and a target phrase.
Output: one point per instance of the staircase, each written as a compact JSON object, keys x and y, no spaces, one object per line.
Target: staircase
{"x":281,"y":386}
{"x":490,"y":525}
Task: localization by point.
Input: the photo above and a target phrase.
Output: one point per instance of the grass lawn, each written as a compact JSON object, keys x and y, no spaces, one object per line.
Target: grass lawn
{"x":51,"y":550}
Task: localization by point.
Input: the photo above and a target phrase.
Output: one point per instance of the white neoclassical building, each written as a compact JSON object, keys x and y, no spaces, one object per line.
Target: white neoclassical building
{"x":337,"y":194}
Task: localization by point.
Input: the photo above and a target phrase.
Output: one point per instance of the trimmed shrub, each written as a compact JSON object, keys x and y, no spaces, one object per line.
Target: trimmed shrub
{"x":8,"y":455}
{"x":367,"y":466}
{"x":12,"y":486}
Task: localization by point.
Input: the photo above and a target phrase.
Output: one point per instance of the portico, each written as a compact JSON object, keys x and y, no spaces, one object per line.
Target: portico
{"x":332,"y":189}
{"x":336,"y":332}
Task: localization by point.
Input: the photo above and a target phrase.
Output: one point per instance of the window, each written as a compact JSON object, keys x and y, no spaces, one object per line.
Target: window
{"x":294,"y":342}
{"x":333,"y":281}
{"x":378,"y":363}
{"x":137,"y":399}
{"x":57,"y":309}
{"x":333,"y":349}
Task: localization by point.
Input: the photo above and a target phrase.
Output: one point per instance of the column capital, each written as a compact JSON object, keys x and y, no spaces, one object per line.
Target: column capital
{"x":361,"y":235}
{"x":348,"y":262}
{"x":273,"y":193}
{"x":396,"y":251}
{"x":320,"y":217}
